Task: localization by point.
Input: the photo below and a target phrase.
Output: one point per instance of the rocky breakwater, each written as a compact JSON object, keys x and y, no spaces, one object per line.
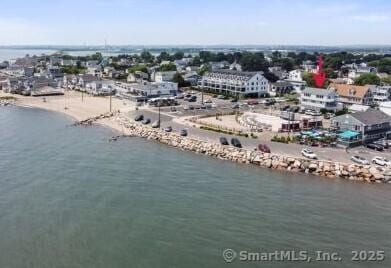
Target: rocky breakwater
{"x":7,"y":101}
{"x":328,"y":169}
{"x":91,"y":120}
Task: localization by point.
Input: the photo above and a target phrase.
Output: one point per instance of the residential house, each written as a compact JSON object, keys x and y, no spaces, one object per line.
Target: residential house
{"x":235,"y":66}
{"x":146,"y":90}
{"x":309,"y":66}
{"x":192,"y":78}
{"x":138,"y":77}
{"x":280,"y":87}
{"x":191,"y":69}
{"x":100,"y":87}
{"x":279,"y":72}
{"x":295,"y":75}
{"x":358,"y":69}
{"x":381,"y":94}
{"x":351,"y":94}
{"x":164,"y":76}
{"x":364,"y":127}
{"x":318,"y":98}
{"x":235,"y":83}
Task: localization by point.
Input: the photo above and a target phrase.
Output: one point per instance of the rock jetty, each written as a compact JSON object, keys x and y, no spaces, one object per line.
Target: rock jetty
{"x":323,"y":168}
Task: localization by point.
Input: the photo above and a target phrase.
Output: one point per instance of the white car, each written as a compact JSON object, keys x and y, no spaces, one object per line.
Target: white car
{"x":359,"y":160}
{"x":308,"y":153}
{"x":381,"y":161}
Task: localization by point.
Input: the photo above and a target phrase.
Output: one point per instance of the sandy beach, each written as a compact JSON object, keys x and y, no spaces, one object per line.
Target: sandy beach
{"x":77,"y":105}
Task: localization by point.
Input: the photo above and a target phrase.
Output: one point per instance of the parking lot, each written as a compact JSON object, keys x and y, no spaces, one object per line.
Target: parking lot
{"x":326,"y":153}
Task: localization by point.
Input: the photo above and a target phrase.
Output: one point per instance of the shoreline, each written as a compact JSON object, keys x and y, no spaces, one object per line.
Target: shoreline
{"x":123,"y":125}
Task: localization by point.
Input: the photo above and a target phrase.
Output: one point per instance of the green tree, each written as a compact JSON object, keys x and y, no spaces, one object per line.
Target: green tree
{"x":367,"y":79}
{"x":168,"y":67}
{"x":179,"y":55}
{"x":178,"y":78}
{"x":254,"y":62}
{"x":309,"y":78}
{"x":204,"y":69}
{"x":164,"y":56}
{"x":146,"y":56}
{"x":138,"y":67}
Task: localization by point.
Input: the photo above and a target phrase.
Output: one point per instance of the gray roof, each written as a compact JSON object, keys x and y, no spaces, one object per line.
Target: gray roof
{"x":371,"y":117}
{"x":318,"y":91}
{"x":233,"y":72}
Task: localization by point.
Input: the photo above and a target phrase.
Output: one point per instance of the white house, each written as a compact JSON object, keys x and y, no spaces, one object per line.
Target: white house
{"x":318,"y":98}
{"x":295,"y":75}
{"x":100,"y":87}
{"x":235,"y":83}
{"x":164,"y":76}
{"x":381,"y":94}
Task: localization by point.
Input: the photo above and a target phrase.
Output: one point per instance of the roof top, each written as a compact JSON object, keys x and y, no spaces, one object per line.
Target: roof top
{"x":371,"y":117}
{"x":317,"y":91}
{"x":350,"y":90}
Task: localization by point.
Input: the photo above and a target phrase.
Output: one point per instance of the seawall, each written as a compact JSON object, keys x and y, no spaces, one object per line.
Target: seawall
{"x":323,"y":168}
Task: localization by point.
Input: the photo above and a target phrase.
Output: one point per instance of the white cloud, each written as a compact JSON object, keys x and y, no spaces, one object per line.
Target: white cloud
{"x":371,"y":18}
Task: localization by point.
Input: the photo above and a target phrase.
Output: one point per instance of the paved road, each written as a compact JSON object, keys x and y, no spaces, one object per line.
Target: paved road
{"x":331,"y":154}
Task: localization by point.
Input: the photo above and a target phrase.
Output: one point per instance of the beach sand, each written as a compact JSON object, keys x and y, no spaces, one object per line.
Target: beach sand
{"x":78,"y":107}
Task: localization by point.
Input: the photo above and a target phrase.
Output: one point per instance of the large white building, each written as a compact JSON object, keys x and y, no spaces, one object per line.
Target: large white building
{"x":318,"y":98}
{"x":235,"y":83}
{"x":164,"y":76}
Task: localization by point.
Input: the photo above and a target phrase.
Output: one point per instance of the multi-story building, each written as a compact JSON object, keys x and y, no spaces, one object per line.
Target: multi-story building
{"x":235,"y":83}
{"x":295,"y":75}
{"x":318,"y":98}
{"x":164,"y":76}
{"x":350,"y":94}
{"x":381,"y":94}
{"x":366,"y":126}
{"x":280,"y":87}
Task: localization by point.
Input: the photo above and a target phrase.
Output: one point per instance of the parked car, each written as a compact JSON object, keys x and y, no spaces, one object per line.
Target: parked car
{"x":383,"y":143}
{"x":235,"y":142}
{"x":168,"y":129}
{"x":235,"y":106}
{"x":263,"y":148}
{"x":309,"y":154}
{"x":252,"y":102}
{"x":286,"y":107}
{"x":183,"y":132}
{"x":192,"y":99}
{"x":359,"y":160}
{"x":312,"y":112}
{"x":179,"y":96}
{"x":173,"y":109}
{"x":234,"y":100}
{"x":156,"y":124}
{"x":223,"y":141}
{"x":375,"y":146}
{"x":295,"y":109}
{"x":139,"y":117}
{"x":146,"y":121}
{"x":381,"y":161}
{"x":222,"y":97}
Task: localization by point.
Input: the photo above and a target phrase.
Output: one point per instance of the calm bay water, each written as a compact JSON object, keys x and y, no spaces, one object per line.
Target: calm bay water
{"x":70,"y":198}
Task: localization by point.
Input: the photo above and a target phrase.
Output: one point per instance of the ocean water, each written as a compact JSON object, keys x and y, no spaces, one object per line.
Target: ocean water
{"x":71,"y":198}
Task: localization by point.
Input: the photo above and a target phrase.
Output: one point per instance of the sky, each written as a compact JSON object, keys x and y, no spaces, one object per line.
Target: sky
{"x":195,"y":22}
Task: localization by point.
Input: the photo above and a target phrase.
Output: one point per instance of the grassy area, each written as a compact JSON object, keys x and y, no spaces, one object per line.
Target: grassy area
{"x":8,"y":98}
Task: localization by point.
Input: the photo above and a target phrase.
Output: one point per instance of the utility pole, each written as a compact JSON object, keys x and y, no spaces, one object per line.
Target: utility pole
{"x":159,"y":104}
{"x":110,"y":103}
